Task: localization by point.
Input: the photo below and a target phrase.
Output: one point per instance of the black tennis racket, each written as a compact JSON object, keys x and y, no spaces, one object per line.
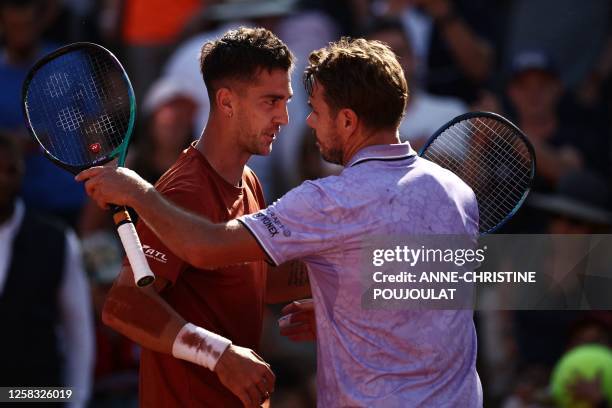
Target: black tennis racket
{"x":492,"y":156}
{"x":80,"y":107}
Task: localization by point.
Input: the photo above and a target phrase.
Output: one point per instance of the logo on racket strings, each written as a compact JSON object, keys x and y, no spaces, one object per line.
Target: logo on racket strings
{"x":95,"y":148}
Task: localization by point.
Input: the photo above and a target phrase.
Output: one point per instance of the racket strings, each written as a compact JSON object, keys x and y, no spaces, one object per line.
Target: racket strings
{"x":478,"y":153}
{"x":492,"y":159}
{"x":70,"y":118}
{"x":57,"y":84}
{"x":79,"y":106}
{"x":495,"y":195}
{"x":111,"y":125}
{"x":512,"y":195}
{"x":504,"y":199}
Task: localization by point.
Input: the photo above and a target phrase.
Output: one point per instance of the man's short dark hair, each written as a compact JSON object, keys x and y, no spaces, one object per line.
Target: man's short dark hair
{"x":240,"y":55}
{"x":361,"y":75}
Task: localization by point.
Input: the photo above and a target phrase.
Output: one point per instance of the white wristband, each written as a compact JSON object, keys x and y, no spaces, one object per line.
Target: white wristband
{"x":199,"y":346}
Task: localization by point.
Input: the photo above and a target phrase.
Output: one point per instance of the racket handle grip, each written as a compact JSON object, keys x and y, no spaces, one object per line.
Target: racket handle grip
{"x":143,"y":276}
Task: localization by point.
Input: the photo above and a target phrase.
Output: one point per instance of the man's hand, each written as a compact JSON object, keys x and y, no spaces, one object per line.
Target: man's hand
{"x":245,"y":374}
{"x":298,"y":322}
{"x":109,"y":185}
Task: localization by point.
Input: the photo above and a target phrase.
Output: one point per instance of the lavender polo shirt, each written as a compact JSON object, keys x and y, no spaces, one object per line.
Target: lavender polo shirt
{"x":377,"y":358}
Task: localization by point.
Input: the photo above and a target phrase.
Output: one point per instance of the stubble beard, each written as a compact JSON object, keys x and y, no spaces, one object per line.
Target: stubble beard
{"x":331,"y":155}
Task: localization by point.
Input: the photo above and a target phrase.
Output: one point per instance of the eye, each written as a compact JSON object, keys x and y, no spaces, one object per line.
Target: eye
{"x":271,"y":101}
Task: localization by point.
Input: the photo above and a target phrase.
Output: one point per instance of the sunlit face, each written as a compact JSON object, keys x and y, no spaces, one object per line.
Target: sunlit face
{"x":324,"y":126}
{"x":262,"y":110}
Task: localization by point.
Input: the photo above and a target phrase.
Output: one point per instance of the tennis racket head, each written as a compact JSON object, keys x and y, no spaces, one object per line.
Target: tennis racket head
{"x":492,"y":156}
{"x":79,"y":106}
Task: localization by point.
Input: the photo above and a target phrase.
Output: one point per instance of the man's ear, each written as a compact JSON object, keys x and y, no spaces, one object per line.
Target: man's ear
{"x":347,"y":121}
{"x":225,"y":101}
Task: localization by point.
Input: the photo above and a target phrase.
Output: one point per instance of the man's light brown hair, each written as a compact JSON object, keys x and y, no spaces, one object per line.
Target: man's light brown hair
{"x":240,"y":55}
{"x":361,"y":75}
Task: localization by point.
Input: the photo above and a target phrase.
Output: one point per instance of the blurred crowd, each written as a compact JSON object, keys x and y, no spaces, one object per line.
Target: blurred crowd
{"x":544,"y":64}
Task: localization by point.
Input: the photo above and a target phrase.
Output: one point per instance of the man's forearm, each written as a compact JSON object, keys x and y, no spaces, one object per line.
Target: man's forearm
{"x":189,"y":236}
{"x":142,"y":316}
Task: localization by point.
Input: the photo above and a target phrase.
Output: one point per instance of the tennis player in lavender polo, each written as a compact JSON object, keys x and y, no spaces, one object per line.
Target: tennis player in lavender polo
{"x":366,"y":358}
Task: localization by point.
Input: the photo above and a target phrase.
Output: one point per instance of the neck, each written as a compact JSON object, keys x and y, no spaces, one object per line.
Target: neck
{"x":220,"y":148}
{"x":369,"y":138}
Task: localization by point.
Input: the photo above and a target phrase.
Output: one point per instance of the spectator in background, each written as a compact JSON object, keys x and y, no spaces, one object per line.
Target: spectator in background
{"x":452,"y":39}
{"x":579,"y":205}
{"x":572,"y":32}
{"x":40,"y":294}
{"x":169,"y":107}
{"x":425,"y":113}
{"x":577,"y":36}
{"x":147,"y":29}
{"x":535,"y":90}
{"x":21,"y":27}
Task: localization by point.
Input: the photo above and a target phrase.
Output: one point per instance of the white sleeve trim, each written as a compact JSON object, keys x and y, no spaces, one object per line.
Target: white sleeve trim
{"x":244,"y":221}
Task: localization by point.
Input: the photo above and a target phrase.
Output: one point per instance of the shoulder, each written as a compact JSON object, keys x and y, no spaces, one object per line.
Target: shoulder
{"x":189,"y":184}
{"x":251,"y":178}
{"x":187,"y":173}
{"x":314,"y":195}
{"x":252,"y":183}
{"x":428,"y":173}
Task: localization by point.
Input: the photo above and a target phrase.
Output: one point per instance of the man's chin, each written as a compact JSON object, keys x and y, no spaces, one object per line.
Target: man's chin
{"x":262,"y":151}
{"x":266,"y":150}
